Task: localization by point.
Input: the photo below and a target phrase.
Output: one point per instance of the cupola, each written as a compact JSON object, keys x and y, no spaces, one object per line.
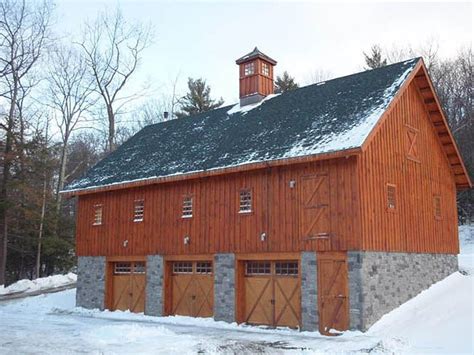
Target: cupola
{"x":255,"y":77}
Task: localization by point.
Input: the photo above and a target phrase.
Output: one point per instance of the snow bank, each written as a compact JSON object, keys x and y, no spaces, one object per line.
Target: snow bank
{"x":39,"y":284}
{"x":466,"y":244}
{"x":438,"y":320}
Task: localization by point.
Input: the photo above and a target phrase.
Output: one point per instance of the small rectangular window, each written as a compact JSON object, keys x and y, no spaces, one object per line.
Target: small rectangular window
{"x":391,"y":197}
{"x":286,"y":268}
{"x":139,"y":210}
{"x":139,"y":268}
{"x":258,"y":268}
{"x":249,"y":68}
{"x":182,"y":267}
{"x":437,"y":206}
{"x":97,"y":215}
{"x":204,"y":267}
{"x":187,"y":207}
{"x":265,"y":69}
{"x":245,"y":201}
{"x":122,"y":268}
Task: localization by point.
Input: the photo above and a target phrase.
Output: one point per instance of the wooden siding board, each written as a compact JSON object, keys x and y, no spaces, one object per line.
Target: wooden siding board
{"x":412,"y":227}
{"x":216,"y":225}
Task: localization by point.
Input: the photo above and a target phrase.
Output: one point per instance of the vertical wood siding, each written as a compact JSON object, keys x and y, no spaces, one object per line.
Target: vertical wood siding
{"x":216,"y":225}
{"x":419,"y":175}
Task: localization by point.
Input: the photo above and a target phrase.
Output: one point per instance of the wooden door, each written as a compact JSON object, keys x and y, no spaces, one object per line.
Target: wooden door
{"x":192,"y":290}
{"x":258,"y":285}
{"x":314,"y":211}
{"x":128,"y":286}
{"x":333,"y":291}
{"x":272,"y":293}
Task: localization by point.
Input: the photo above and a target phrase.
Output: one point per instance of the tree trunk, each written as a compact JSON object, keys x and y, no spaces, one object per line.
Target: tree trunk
{"x":4,"y":188}
{"x":111,"y":138}
{"x":40,"y":232}
{"x":62,"y":176}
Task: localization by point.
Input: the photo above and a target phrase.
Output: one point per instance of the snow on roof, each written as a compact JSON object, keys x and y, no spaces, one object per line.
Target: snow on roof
{"x":315,"y":119}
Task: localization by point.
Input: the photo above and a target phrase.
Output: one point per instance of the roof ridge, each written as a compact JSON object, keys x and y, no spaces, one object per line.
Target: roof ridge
{"x":360,"y":72}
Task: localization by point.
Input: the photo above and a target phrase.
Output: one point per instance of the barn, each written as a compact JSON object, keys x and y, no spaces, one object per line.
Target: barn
{"x":320,"y":208}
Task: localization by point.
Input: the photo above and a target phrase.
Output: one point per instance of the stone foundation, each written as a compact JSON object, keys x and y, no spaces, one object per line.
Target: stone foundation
{"x":90,"y":282}
{"x":224,"y":287}
{"x":309,"y":292}
{"x":154,"y":285}
{"x":381,"y":281}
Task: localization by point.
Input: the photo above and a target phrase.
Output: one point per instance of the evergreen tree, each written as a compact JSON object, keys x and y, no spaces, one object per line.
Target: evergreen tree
{"x":285,"y":83}
{"x":198,"y":99}
{"x":374,"y":59}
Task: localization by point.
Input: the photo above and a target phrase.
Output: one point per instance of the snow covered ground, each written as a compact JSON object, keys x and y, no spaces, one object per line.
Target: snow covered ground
{"x":439,"y":320}
{"x":28,"y":286}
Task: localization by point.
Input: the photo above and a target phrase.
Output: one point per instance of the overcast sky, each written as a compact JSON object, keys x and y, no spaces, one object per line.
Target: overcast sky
{"x":203,"y":39}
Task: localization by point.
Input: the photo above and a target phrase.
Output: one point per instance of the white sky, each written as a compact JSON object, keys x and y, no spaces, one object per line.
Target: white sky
{"x":203,"y":39}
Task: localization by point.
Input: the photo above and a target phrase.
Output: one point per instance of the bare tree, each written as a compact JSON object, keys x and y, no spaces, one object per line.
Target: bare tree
{"x":317,"y":76}
{"x":428,"y":50}
{"x":70,"y":94}
{"x":113,"y":49}
{"x":161,"y":107}
{"x":24,"y":29}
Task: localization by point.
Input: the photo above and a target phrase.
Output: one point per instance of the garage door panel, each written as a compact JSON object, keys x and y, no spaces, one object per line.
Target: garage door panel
{"x":192,"y":289}
{"x":287,"y":302}
{"x":182,"y":291}
{"x":138,"y":295}
{"x":272,"y":293}
{"x":121,"y":292}
{"x":204,"y":292}
{"x":258,"y":296}
{"x":128,"y":286}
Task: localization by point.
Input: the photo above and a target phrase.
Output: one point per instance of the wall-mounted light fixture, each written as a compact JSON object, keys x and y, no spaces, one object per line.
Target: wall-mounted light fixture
{"x":125,"y":243}
{"x":292,"y":184}
{"x":186,"y":240}
{"x":263,"y":237}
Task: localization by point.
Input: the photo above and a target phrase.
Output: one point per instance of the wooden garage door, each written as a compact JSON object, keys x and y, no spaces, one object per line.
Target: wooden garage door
{"x":272,"y":293}
{"x":192,"y":288}
{"x":333,"y":291}
{"x":128,"y":286}
{"x":314,"y":203}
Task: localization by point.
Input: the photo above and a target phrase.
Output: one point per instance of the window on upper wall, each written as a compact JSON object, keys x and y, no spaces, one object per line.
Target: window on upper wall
{"x":187,"y":206}
{"x":138,"y":210}
{"x":391,"y":197}
{"x":98,"y":212}
{"x":437,"y":206}
{"x":249,"y":68}
{"x":245,"y":201}
{"x":265,"y":69}
{"x":411,"y":143}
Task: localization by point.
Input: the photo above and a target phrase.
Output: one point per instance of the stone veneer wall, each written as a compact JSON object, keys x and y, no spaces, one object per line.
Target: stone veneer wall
{"x":309,"y":292}
{"x":154,"y":285}
{"x":90,"y":292}
{"x":381,"y":281}
{"x":224,"y":287}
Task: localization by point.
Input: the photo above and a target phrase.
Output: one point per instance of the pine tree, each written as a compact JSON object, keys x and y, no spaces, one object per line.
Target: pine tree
{"x":285,"y":83}
{"x":198,"y":99}
{"x":374,"y":59}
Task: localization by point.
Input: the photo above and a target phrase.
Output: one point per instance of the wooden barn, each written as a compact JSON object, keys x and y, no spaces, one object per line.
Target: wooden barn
{"x":322,"y":208}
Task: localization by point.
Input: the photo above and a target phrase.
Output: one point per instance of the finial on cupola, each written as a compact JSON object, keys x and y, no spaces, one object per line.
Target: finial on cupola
{"x":255,"y":76}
